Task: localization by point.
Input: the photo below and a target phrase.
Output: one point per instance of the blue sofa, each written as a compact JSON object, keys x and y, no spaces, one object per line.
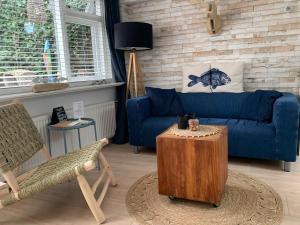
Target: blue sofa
{"x":275,"y":140}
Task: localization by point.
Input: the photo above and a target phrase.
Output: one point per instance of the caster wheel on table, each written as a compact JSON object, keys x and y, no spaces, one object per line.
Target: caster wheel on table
{"x":216,"y":205}
{"x":172,"y":198}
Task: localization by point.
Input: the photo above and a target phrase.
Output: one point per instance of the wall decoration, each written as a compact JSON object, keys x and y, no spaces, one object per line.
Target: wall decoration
{"x":214,"y":77}
{"x":213,"y":18}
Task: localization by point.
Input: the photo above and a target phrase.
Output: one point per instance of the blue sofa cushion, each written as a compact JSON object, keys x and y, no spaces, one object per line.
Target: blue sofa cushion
{"x":256,"y":106}
{"x":247,"y":138}
{"x":213,"y":105}
{"x":164,"y":102}
{"x":259,"y":106}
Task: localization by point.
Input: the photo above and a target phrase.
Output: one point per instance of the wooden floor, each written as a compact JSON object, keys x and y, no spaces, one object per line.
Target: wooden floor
{"x":64,"y":205}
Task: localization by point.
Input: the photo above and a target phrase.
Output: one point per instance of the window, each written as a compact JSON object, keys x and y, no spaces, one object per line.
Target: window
{"x":81,"y":50}
{"x":52,"y":38}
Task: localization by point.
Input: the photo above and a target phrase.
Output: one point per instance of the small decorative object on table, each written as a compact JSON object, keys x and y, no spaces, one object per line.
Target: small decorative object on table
{"x":78,"y":109}
{"x":58,"y":115}
{"x":183,"y":120}
{"x":193,"y":124}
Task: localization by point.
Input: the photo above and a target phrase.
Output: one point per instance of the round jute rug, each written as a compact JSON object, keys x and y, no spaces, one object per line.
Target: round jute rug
{"x":246,"y":201}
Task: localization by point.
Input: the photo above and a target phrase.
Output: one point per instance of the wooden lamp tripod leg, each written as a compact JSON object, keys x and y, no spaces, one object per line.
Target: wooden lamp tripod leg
{"x":140,"y":76}
{"x":135,"y":75}
{"x":135,"y":68}
{"x":129,"y":74}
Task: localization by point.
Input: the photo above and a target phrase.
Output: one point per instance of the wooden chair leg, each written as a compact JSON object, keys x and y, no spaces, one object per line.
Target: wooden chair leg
{"x":105,"y":163}
{"x":90,"y":199}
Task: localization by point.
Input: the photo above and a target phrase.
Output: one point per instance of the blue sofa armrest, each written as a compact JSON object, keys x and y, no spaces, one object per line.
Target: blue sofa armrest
{"x":138,"y":109}
{"x":286,"y":122}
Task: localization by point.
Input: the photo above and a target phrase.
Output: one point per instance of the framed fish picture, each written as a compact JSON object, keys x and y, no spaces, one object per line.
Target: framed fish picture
{"x":214,"y":77}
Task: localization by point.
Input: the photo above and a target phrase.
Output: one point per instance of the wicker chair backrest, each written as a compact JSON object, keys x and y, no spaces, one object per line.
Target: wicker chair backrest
{"x":19,"y":138}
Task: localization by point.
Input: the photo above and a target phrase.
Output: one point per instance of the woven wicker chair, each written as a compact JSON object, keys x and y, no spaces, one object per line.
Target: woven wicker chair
{"x":20,"y":140}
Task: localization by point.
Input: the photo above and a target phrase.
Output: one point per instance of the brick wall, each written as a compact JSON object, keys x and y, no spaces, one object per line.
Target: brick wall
{"x":259,"y":32}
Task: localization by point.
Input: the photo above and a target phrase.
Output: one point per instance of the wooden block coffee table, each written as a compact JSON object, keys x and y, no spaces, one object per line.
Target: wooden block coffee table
{"x":193,"y":168}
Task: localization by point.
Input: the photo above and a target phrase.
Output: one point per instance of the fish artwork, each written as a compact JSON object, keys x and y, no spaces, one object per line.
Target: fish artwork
{"x":213,"y":78}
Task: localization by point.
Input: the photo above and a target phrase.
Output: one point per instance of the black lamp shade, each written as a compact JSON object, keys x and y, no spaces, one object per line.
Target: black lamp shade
{"x":133,"y":36}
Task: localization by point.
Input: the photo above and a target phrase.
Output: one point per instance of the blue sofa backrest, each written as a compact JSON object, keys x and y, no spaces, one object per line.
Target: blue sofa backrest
{"x":214,"y":105}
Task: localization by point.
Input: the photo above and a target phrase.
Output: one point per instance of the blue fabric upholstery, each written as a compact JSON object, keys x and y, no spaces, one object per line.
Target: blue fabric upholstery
{"x":153,"y":126}
{"x":286,"y":122}
{"x":247,"y":138}
{"x":275,"y":140}
{"x":213,"y":105}
{"x":138,"y":110}
{"x":261,"y":107}
{"x":164,"y":102}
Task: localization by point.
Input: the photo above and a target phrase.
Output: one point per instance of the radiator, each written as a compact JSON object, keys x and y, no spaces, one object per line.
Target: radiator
{"x":103,"y":114}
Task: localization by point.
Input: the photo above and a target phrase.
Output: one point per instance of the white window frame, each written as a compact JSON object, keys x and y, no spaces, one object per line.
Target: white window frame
{"x":63,"y":15}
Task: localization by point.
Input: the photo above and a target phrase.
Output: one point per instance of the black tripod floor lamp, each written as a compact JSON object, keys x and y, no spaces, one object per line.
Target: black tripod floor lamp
{"x":133,"y":37}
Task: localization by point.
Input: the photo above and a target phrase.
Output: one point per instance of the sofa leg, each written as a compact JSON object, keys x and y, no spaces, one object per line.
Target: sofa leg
{"x":136,"y":150}
{"x":287,"y":166}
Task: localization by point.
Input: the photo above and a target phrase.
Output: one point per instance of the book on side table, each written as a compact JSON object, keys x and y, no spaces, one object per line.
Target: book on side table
{"x":70,"y":123}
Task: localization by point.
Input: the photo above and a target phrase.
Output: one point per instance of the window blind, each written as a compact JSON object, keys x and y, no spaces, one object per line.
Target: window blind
{"x":27,"y":48}
{"x":80,"y":50}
